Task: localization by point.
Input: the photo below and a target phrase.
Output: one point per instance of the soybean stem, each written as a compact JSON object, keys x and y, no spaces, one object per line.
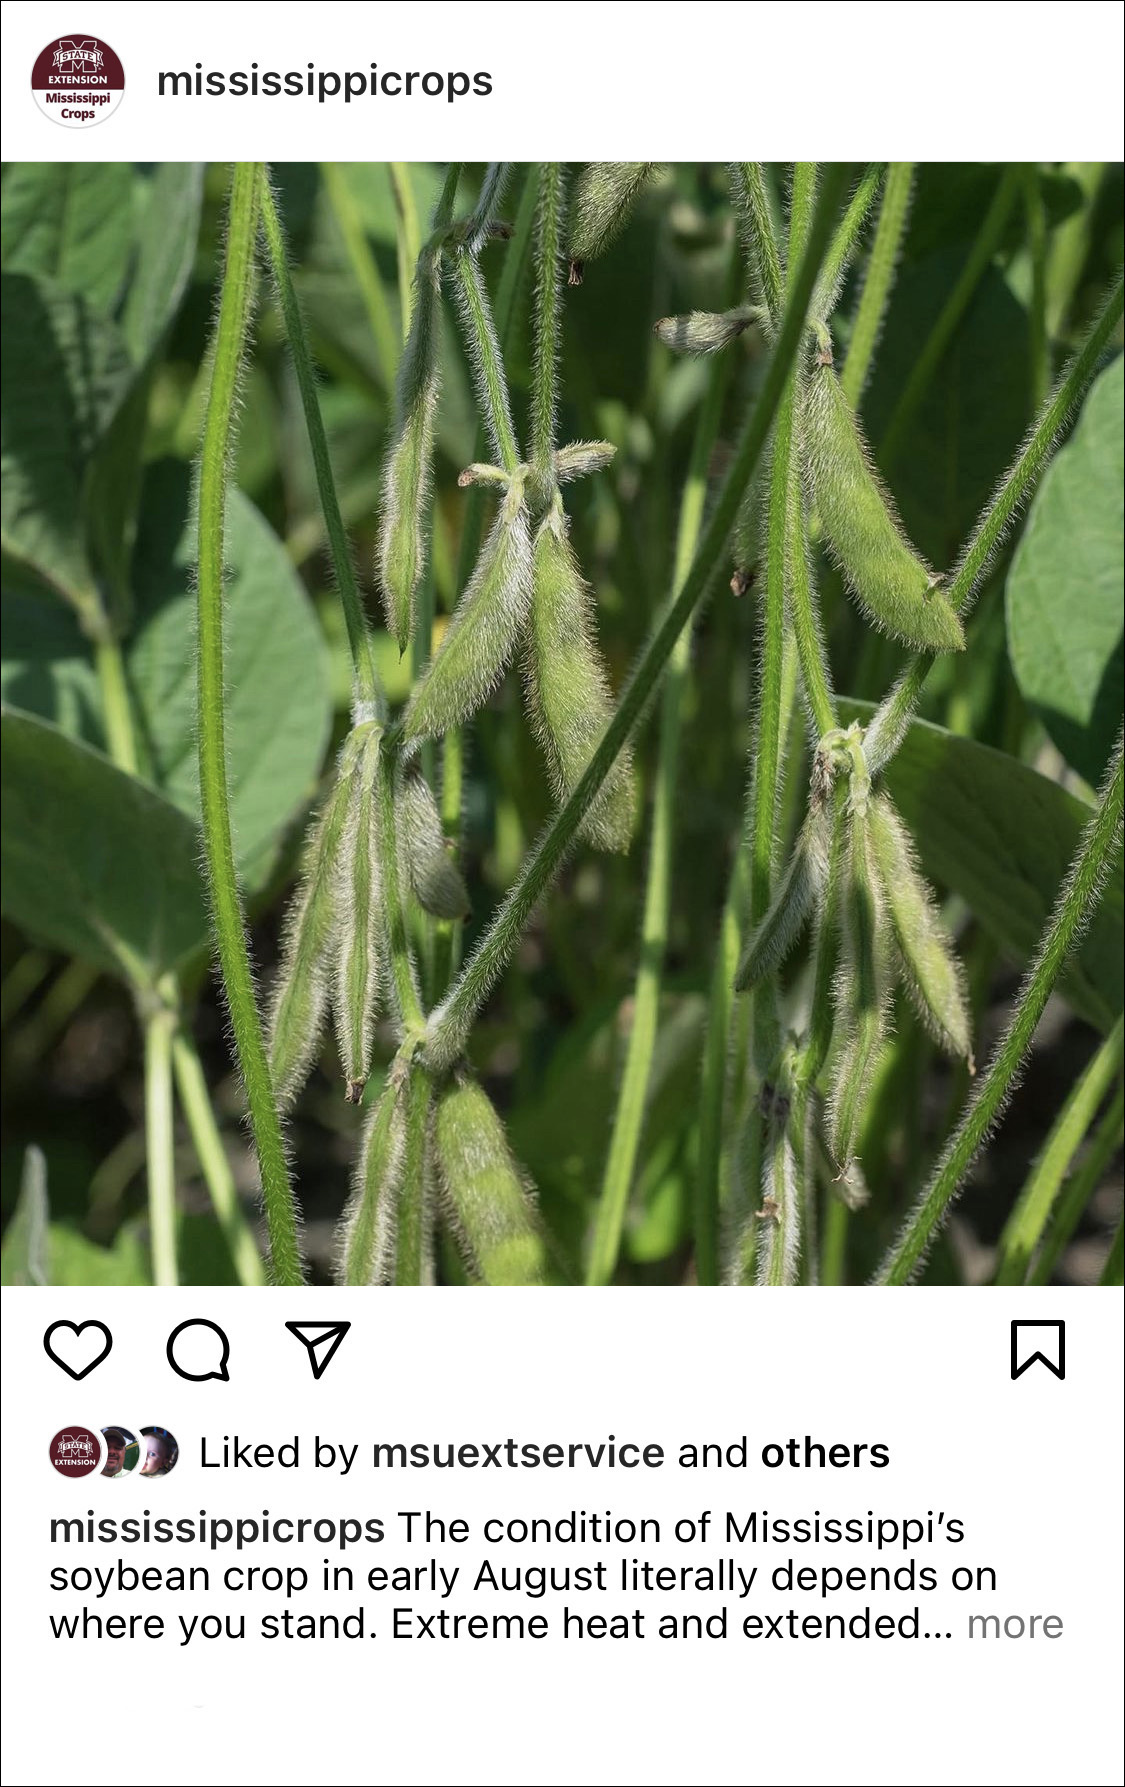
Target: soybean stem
{"x":843,"y":243}
{"x":212,"y":1156}
{"x":450,"y":1023}
{"x":761,"y":235}
{"x":550,"y":221}
{"x":633,"y":1095}
{"x":885,"y":250}
{"x":226,"y":907}
{"x":365,"y":268}
{"x":159,"y":1025}
{"x":484,"y":351}
{"x":408,"y":238}
{"x":1080,"y":1188}
{"x":354,"y":618}
{"x":1077,"y":901}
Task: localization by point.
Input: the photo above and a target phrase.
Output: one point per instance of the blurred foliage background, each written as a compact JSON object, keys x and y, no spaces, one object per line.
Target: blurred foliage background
{"x":110,"y":278}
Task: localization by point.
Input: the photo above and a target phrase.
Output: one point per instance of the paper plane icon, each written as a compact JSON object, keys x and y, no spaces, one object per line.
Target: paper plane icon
{"x":321,"y":1341}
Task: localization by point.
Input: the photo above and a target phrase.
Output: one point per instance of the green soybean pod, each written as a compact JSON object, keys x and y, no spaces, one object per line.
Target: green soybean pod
{"x":779,"y":1219}
{"x":300,"y":994}
{"x":862,"y":991}
{"x":409,"y":468}
{"x":800,"y":893}
{"x":357,"y":904}
{"x":367,"y":1236}
{"x":705,"y":331}
{"x":483,"y":1188}
{"x":483,"y":632}
{"x":930,"y":966}
{"x":567,"y":687}
{"x":435,"y":879}
{"x":603,"y":198}
{"x":892,"y":584}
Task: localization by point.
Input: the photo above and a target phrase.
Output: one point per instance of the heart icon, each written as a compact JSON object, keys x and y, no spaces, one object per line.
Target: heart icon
{"x":87,"y":1355}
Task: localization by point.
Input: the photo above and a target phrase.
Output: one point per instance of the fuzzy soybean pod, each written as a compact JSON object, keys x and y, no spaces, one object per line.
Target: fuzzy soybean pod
{"x":800,"y":893}
{"x":406,"y":478}
{"x":893,"y":585}
{"x":369,"y":1224}
{"x":567,"y":687}
{"x":862,"y":989}
{"x":300,"y":994}
{"x":705,"y":331}
{"x":357,"y":906}
{"x":603,"y":199}
{"x":483,"y":1187}
{"x":930,"y":966}
{"x":435,"y":879}
{"x":779,"y":1219}
{"x":482,"y":634}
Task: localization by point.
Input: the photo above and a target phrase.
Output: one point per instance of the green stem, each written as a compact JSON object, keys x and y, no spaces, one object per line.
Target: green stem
{"x":843,"y":243}
{"x":365,"y":268}
{"x":934,"y":348}
{"x":410,"y":1237}
{"x":450,"y":1023}
{"x":550,"y":223}
{"x":212,"y":1156}
{"x":1113,"y":1272}
{"x":633,"y":1094}
{"x":803,"y":615}
{"x":834,"y":1243}
{"x":885,"y":250}
{"x":484,"y":352}
{"x":408,"y":238}
{"x":397,"y":937}
{"x":226,"y":907}
{"x":354,"y":618}
{"x":1079,"y":1189}
{"x":761,"y":235}
{"x":888,"y":728}
{"x":1077,"y":901}
{"x":159,"y":1028}
{"x":118,"y":714}
{"x":1031,"y":1212}
{"x":1038,"y":343}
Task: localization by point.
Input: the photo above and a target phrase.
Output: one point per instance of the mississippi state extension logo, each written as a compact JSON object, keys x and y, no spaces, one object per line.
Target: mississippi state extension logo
{"x":75,"y":1452}
{"x":77,"y":80}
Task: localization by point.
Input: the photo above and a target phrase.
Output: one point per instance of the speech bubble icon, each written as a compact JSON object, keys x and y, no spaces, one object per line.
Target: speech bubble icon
{"x":199,"y":1350}
{"x":1038,"y":1343}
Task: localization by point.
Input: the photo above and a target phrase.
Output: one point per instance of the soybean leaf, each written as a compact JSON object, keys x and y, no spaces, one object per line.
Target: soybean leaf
{"x":24,"y":1257}
{"x":66,"y":372}
{"x":72,"y":223}
{"x":166,"y":244}
{"x":1064,"y":587}
{"x":72,"y":1259}
{"x":1003,"y":837}
{"x":275,"y":744}
{"x":95,"y":861}
{"x":970,"y":421}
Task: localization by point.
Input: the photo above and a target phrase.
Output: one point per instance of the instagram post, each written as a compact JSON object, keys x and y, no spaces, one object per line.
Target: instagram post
{"x":561,"y":738}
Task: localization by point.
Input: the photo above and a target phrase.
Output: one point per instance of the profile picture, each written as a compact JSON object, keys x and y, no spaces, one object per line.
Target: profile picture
{"x":159,"y":1452}
{"x":122,"y":1452}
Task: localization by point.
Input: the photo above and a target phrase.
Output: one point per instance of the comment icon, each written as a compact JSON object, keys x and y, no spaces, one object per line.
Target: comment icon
{"x":199,"y":1351}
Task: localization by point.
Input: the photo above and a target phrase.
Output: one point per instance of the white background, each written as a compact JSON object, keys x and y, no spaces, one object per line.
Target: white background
{"x":668,"y":78}
{"x":1033,"y":1468}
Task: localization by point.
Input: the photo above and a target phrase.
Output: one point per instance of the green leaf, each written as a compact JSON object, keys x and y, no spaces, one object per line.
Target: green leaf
{"x":166,"y":246}
{"x":276,"y":741}
{"x":75,"y":1260}
{"x":70,"y":222}
{"x":24,"y":1256}
{"x":1003,"y":837}
{"x":66,"y":372}
{"x":94,"y":861}
{"x":1064,"y":587}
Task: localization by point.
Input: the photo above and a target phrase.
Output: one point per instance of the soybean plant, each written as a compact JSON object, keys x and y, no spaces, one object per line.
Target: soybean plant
{"x":790,"y":1064}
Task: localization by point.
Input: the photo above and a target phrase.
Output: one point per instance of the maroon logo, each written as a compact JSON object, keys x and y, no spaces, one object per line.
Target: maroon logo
{"x":75,"y":1452}
{"x":77,"y":80}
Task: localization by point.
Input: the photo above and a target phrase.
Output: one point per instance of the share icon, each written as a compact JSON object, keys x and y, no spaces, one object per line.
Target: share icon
{"x":321,"y":1341}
